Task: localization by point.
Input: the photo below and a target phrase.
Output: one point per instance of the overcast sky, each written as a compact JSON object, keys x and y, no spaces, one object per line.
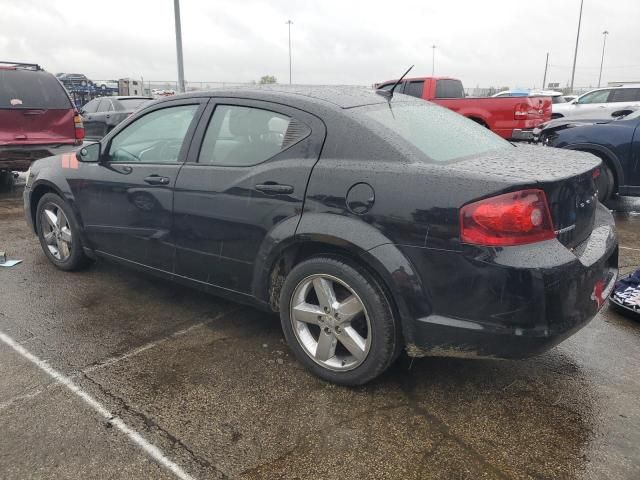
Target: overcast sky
{"x":485,"y":43}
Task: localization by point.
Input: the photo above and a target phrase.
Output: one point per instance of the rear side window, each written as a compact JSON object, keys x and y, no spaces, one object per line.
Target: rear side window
{"x":29,"y":89}
{"x":92,"y":106}
{"x":415,"y":89}
{"x":449,"y":89}
{"x":244,"y":136}
{"x":439,"y":133}
{"x":625,"y":95}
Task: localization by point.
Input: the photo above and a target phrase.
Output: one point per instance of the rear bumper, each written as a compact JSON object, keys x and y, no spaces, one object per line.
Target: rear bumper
{"x":510,"y":302}
{"x":20,"y":157}
{"x":522,"y":134}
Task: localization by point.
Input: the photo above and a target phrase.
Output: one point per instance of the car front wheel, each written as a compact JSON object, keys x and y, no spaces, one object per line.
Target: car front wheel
{"x":337,"y":320}
{"x":59,"y":233}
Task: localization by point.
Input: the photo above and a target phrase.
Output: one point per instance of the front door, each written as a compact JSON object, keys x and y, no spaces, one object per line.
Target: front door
{"x":245,"y":176}
{"x":126,"y":200}
{"x":593,"y":103}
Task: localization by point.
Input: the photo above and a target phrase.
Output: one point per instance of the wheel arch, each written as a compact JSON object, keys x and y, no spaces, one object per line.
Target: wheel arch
{"x":37,"y":192}
{"x":606,"y":155}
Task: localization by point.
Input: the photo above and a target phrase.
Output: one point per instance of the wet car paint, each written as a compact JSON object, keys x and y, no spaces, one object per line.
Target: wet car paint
{"x":214,"y":387}
{"x":450,"y":297}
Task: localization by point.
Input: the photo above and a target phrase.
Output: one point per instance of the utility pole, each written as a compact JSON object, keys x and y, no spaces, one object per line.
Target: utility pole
{"x":546,"y":66}
{"x":176,"y":8}
{"x":289,"y":23}
{"x":604,"y":43}
{"x":575,"y":54}
{"x":433,"y":60}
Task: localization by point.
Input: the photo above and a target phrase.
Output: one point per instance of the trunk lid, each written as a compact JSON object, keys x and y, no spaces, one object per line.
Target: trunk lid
{"x":566,"y":177}
{"x":34,"y":109}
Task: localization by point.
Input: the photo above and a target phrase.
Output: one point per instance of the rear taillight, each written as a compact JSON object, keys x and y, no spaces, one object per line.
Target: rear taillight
{"x":510,"y":219}
{"x":77,"y":121}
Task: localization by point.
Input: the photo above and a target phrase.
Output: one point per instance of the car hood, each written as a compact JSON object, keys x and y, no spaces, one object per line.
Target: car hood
{"x":562,"y":123}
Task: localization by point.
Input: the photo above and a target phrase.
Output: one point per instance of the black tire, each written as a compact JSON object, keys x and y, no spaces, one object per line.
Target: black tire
{"x":77,"y":258}
{"x":385,"y":344}
{"x":605,"y":184}
{"x":6,"y":181}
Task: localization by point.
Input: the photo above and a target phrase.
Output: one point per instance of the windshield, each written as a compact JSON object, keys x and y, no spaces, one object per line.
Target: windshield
{"x":29,"y":89}
{"x":439,"y":133}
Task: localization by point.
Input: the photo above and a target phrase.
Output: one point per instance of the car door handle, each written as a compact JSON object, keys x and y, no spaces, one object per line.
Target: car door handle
{"x":157,"y":180}
{"x":274,"y":188}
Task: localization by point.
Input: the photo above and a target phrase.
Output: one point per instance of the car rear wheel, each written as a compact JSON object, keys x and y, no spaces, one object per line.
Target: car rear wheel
{"x":59,"y":233}
{"x":338,"y":321}
{"x":605,"y":184}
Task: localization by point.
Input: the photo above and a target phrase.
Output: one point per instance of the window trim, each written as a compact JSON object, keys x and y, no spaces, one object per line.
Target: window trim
{"x":186,"y":142}
{"x":197,"y":142}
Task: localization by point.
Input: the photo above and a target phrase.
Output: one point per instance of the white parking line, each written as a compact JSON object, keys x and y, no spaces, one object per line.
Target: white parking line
{"x":151,"y":450}
{"x":629,"y":248}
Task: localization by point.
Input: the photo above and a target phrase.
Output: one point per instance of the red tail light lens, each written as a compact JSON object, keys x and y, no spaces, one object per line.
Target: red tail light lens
{"x":77,"y":121}
{"x":514,"y":218}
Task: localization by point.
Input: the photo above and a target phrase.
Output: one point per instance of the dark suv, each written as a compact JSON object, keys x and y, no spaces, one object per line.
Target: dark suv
{"x":37,"y":117}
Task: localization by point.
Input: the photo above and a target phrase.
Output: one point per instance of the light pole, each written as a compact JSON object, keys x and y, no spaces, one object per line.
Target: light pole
{"x":575,"y":54}
{"x":176,"y":8}
{"x":546,"y":66}
{"x":604,"y":43}
{"x":289,"y":23}
{"x":433,"y":60}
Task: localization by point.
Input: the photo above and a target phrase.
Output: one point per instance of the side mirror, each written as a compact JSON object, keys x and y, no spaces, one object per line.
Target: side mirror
{"x":90,"y":153}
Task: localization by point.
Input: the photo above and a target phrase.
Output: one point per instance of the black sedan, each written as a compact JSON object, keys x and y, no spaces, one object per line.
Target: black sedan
{"x":371,"y":225}
{"x":101,"y":114}
{"x":615,"y":140}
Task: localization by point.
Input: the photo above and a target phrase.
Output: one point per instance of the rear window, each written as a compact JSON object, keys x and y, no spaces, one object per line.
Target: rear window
{"x":29,"y":89}
{"x":449,"y":89}
{"x":439,"y":133}
{"x":133,"y":103}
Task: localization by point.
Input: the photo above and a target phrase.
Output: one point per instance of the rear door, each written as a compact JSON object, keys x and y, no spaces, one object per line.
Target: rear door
{"x":246,"y":175}
{"x":95,"y":122}
{"x":34,"y":109}
{"x":126,"y":200}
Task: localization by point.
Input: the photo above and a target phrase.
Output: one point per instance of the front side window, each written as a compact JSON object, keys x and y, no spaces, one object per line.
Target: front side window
{"x":437,"y":132}
{"x":243,"y":136}
{"x":155,"y":138}
{"x":601,"y":96}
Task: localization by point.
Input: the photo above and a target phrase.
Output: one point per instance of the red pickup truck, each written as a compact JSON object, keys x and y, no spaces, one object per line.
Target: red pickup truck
{"x":510,"y":117}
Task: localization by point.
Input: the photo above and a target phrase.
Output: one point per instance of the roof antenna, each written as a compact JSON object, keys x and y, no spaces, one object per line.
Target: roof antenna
{"x":389,"y":93}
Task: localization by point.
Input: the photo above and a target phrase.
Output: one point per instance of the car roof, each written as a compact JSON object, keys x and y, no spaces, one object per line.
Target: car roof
{"x":125,"y":97}
{"x":342,"y":96}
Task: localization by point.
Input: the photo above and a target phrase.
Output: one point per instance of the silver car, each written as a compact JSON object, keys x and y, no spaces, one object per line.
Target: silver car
{"x":600,"y":102}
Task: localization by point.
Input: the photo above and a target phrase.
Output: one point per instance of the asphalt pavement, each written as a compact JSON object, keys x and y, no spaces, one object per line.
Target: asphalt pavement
{"x":116,"y":374}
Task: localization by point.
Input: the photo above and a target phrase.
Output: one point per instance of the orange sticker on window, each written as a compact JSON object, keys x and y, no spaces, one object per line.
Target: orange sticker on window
{"x":69,"y":160}
{"x":65,"y":161}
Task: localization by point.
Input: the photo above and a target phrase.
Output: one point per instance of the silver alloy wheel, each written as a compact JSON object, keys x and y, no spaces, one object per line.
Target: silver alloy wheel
{"x":330,"y":322}
{"x":56,"y":231}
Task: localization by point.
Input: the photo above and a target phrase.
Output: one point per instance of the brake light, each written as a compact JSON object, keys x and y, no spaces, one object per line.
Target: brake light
{"x":77,"y":121}
{"x":514,"y":218}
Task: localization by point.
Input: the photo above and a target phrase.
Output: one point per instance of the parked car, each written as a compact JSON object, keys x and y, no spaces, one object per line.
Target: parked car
{"x":509,"y":117}
{"x":73,"y":80}
{"x":101,"y":114}
{"x":615,"y":140}
{"x":605,"y":100}
{"x":370,"y":224}
{"x":106,"y":84}
{"x":512,"y":93}
{"x":37,"y":118}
